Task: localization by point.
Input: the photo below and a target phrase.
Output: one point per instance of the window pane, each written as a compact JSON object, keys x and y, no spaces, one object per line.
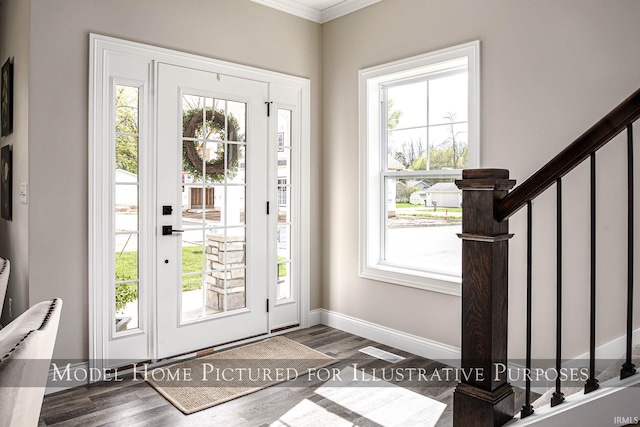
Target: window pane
{"x":284,"y":281}
{"x":406,"y":149}
{"x":126,"y":109}
{"x":407,"y":105}
{"x":448,"y":99}
{"x":126,"y":210}
{"x":127,"y":157}
{"x":284,"y":204}
{"x":126,"y":257}
{"x":449,"y":148}
{"x":284,"y":128}
{"x":423,"y":219}
{"x":284,"y":246}
{"x":284,"y":163}
{"x":127,"y":307}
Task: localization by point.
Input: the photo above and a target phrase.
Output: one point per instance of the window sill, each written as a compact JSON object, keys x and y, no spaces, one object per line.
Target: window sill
{"x":433,"y":282}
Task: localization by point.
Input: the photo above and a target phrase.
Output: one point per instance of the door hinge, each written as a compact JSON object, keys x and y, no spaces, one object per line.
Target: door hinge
{"x":267,"y":305}
{"x":269,"y":108}
{"x":267,"y":208}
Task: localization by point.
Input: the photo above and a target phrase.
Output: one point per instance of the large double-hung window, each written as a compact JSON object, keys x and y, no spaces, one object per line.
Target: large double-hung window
{"x":419,"y":127}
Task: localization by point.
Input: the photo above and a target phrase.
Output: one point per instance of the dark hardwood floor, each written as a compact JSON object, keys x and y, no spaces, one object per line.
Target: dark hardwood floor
{"x":136,"y":403}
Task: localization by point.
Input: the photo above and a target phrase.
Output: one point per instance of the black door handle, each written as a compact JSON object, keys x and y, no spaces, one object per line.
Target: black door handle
{"x":168,"y":230}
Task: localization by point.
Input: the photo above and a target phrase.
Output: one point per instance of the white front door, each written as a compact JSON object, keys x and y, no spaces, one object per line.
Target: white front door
{"x":212,"y":194}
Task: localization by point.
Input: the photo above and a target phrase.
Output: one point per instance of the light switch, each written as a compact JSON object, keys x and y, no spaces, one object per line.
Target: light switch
{"x":24,"y":197}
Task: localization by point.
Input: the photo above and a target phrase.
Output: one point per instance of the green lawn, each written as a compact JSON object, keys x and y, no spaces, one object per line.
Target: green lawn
{"x":426,"y":208}
{"x":127,"y":269}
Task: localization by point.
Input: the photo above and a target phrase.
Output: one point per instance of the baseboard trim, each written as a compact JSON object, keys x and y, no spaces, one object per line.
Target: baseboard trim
{"x":613,"y":350}
{"x":401,"y":340}
{"x":315,"y":317}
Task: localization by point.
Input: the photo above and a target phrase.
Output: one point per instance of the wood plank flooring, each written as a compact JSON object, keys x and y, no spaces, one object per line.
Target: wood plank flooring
{"x":136,"y":403}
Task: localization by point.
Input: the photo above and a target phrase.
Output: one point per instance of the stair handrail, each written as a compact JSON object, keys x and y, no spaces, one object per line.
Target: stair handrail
{"x":578,"y":151}
{"x":487,"y":204}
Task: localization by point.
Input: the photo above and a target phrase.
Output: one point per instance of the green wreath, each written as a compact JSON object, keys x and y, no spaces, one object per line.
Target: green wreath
{"x":192,"y":161}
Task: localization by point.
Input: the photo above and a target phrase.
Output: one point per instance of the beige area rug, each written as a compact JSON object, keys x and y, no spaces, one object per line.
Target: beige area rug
{"x":201,"y":383}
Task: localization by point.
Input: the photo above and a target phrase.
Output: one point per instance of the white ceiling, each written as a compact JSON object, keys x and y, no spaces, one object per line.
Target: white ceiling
{"x":319,"y":11}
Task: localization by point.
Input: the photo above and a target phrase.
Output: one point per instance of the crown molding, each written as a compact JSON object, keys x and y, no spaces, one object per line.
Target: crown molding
{"x":344,"y":8}
{"x":320,"y":16}
{"x":294,"y":8}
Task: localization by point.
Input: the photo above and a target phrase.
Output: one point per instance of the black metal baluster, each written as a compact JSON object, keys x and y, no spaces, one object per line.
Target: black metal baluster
{"x":558,"y":396}
{"x":592,"y":382}
{"x":629,"y":368}
{"x":527,"y":409}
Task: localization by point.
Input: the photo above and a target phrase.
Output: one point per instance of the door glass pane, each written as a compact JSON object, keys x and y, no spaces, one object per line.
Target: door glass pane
{"x":235,"y":207}
{"x":225,"y":279}
{"x":237,"y":121}
{"x":193,"y":259}
{"x":213,"y":211}
{"x":236,"y":289}
{"x":192,"y":116}
{"x":235,"y":165}
{"x":192,"y":297}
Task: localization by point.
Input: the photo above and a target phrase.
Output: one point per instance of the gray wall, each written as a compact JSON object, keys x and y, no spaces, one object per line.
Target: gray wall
{"x":550,"y":69}
{"x":240,"y":31}
{"x":14,"y":235}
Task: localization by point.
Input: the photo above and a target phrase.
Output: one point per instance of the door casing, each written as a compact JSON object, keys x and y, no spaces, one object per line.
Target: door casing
{"x":105,"y":350}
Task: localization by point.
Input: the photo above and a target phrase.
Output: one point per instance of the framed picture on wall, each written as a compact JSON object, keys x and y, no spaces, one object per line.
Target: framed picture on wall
{"x":5,"y":182}
{"x":6,"y":98}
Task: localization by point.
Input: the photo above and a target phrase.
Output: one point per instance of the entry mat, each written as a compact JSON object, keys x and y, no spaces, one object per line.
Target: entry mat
{"x":203,"y":382}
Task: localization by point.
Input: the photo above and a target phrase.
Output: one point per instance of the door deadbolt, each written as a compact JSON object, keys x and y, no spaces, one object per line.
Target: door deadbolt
{"x":167,"y":230}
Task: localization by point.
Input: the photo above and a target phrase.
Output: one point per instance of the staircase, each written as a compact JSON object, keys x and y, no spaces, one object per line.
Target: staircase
{"x":488,"y":203}
{"x":610,"y":373}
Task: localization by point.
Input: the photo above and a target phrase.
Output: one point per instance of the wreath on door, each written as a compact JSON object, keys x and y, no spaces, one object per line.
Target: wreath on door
{"x":225,"y":160}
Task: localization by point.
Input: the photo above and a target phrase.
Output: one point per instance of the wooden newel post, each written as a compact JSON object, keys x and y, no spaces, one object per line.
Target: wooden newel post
{"x":484,"y":397}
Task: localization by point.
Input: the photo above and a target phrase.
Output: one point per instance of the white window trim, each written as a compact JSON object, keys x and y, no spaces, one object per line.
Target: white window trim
{"x":371,"y":198}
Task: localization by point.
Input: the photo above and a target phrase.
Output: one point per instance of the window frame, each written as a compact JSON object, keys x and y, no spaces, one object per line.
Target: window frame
{"x":372,"y":203}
